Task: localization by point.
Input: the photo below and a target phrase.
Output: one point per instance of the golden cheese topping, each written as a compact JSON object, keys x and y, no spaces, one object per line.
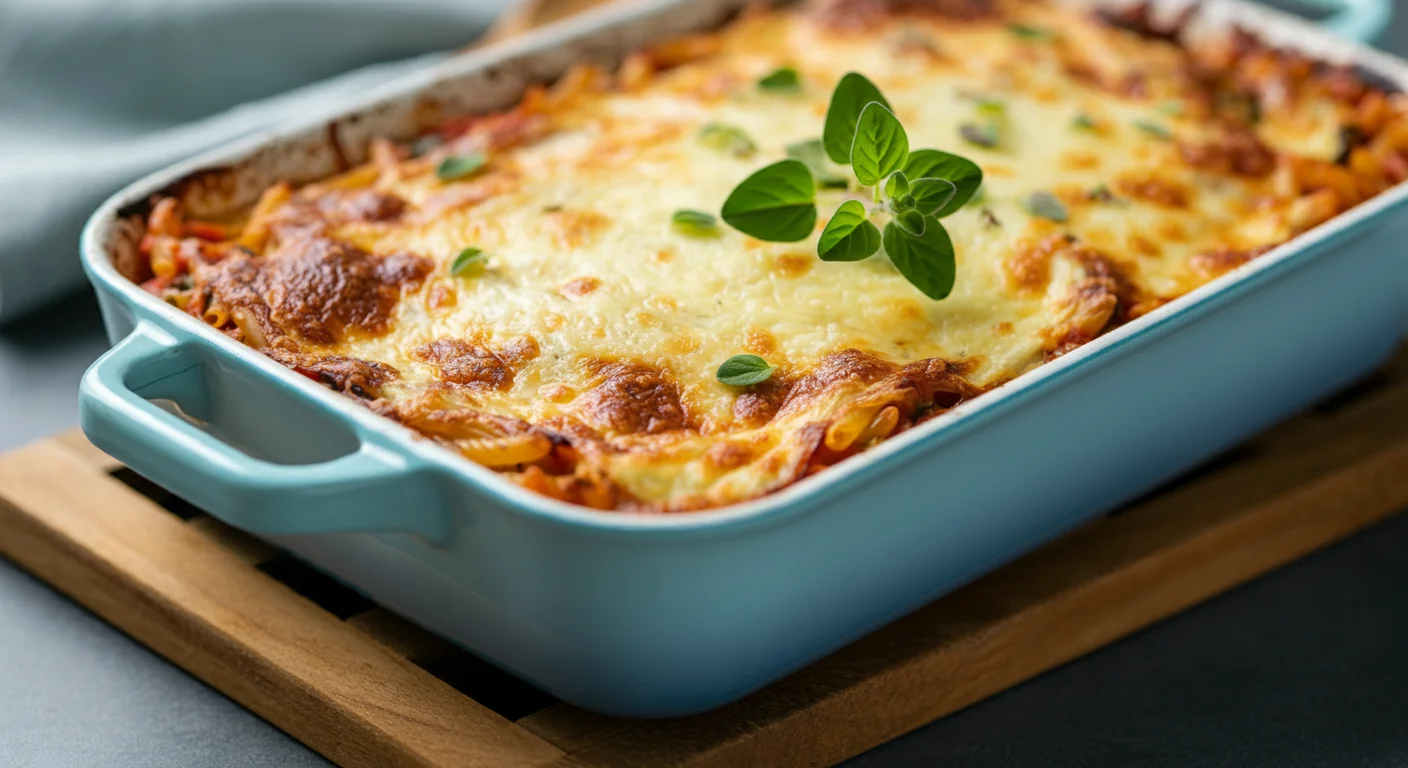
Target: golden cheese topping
{"x":579,"y":357}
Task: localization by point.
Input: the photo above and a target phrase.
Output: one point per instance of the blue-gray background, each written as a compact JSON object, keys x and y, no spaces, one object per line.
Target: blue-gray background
{"x":1306,"y":667}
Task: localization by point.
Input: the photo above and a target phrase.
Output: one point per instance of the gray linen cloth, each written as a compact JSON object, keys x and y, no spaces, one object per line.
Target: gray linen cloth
{"x":95,"y":93}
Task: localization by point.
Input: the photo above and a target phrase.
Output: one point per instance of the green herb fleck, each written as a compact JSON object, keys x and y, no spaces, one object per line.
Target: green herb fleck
{"x":1046,"y":206}
{"x":1101,"y":194}
{"x":1084,"y":122}
{"x":849,"y":236}
{"x":727,"y":139}
{"x":457,"y":167}
{"x":777,"y":203}
{"x":694,"y":223}
{"x":745,"y":371}
{"x":985,"y":135}
{"x":1154,"y":129}
{"x":782,"y":80}
{"x":467,"y":260}
{"x":813,"y":155}
{"x":1029,"y":32}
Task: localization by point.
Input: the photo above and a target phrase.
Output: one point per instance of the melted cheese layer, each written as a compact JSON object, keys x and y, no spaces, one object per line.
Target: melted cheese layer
{"x":582,"y":262}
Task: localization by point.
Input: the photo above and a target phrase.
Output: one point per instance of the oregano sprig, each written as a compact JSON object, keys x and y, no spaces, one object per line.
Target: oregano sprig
{"x":912,"y":191}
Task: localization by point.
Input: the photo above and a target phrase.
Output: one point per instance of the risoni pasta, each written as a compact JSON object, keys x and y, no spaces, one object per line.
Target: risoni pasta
{"x":548,"y":290}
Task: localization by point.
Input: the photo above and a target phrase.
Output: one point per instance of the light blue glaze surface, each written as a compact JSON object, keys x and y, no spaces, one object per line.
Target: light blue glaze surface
{"x":651,"y":616}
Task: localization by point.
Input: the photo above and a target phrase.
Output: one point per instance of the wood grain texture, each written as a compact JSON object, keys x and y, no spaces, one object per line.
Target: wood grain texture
{"x":203,"y":607}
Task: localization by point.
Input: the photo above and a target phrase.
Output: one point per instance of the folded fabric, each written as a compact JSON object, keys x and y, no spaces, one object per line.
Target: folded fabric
{"x":94,"y":93}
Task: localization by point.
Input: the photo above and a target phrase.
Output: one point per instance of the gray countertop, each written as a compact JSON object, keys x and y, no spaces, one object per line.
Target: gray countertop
{"x":1305,"y":667}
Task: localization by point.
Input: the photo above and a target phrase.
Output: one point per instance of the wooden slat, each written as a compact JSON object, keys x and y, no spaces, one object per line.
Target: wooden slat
{"x":204,"y":608}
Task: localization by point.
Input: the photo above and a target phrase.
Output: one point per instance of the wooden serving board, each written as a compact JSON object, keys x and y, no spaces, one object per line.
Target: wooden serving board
{"x":366,"y":688}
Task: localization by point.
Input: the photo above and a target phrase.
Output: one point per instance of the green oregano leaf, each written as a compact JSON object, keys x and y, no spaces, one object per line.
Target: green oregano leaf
{"x":727,"y":139}
{"x":814,"y":156}
{"x":781,"y":80}
{"x":912,"y":222}
{"x":849,"y":236}
{"x":926,"y":261}
{"x":932,"y":195}
{"x":694,"y":223}
{"x":897,"y":185}
{"x":838,"y":133}
{"x":777,"y":203}
{"x":1154,"y":129}
{"x":745,"y":371}
{"x":457,"y":167}
{"x":467,"y":260}
{"x":1046,"y":206}
{"x":881,"y":145}
{"x":1029,"y":32}
{"x":965,"y":174}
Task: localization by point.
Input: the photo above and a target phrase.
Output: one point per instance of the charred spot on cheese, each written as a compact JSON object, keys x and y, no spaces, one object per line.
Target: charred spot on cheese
{"x":582,"y":364}
{"x":855,"y":15}
{"x":324,"y":289}
{"x":629,"y":398}
{"x":1153,"y":189}
{"x":359,"y":378}
{"x":579,"y":287}
{"x":1236,"y":151}
{"x":364,"y":205}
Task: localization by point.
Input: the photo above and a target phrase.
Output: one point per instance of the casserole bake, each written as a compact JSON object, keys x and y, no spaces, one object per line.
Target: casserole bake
{"x":646,"y":614}
{"x":579,"y":358}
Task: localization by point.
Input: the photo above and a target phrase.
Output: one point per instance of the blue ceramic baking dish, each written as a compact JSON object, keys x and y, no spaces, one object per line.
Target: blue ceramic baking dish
{"x":667,"y":615}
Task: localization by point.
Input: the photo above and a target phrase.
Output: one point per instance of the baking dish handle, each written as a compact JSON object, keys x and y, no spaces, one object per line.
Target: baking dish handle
{"x":370,"y":488}
{"x":1361,"y":20}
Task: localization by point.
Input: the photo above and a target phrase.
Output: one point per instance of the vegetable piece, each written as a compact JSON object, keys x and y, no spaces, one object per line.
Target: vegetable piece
{"x":776,"y":204}
{"x":745,"y":371}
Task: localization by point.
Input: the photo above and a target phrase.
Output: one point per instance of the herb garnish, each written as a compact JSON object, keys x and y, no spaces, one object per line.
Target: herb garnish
{"x":782,"y":80}
{"x":457,"y":167}
{"x":1046,"y":206}
{"x":1084,"y":122}
{"x":726,"y":138}
{"x":745,"y":371}
{"x":917,"y":189}
{"x":813,"y":155}
{"x":694,"y":223}
{"x":1154,"y":129}
{"x":987,"y":131}
{"x":777,"y":203}
{"x":468,"y":258}
{"x":1029,"y":32}
{"x":980,"y":134}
